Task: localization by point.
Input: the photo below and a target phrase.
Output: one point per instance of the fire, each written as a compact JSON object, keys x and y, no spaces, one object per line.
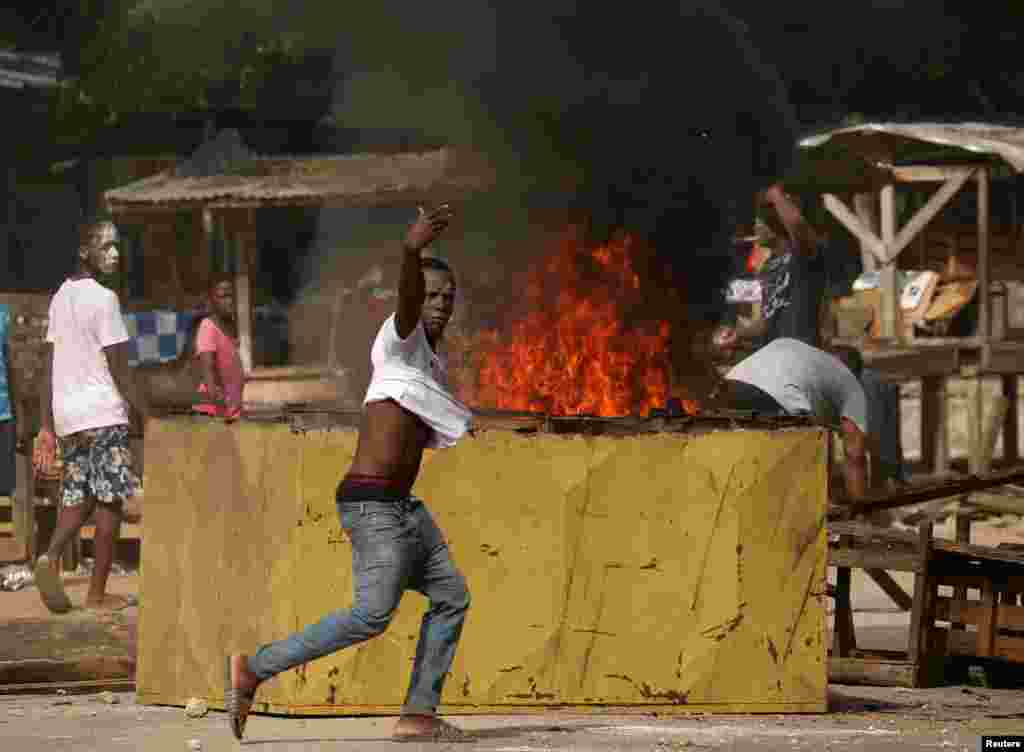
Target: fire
{"x":572,"y":351}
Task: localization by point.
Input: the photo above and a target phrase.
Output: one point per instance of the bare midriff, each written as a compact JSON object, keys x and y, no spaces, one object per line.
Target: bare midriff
{"x":391,"y":444}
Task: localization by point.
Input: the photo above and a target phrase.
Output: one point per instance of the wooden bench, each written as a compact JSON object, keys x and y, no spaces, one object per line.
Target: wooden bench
{"x":995,"y":617}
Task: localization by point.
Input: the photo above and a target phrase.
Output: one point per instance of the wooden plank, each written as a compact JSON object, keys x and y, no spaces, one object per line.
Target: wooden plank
{"x":996,"y":502}
{"x":987,"y":621}
{"x":970,"y":612}
{"x":850,"y":221}
{"x":1011,"y":437}
{"x":930,"y":174}
{"x":891,"y":588}
{"x":871,"y":672}
{"x":930,"y":492}
{"x":864,"y":531}
{"x":874,"y":558}
{"x":981,"y":553}
{"x":926,"y":213}
{"x":890,"y":294}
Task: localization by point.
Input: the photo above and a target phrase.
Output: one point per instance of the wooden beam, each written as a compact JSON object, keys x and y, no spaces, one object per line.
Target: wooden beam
{"x":927,"y":213}
{"x":890,"y":293}
{"x":866,"y":207}
{"x":874,"y":557}
{"x":873,"y":672}
{"x":849,"y":220}
{"x":930,"y":492}
{"x":928,"y":174}
{"x":891,"y":588}
{"x":243,"y":294}
{"x":922,"y":612}
{"x":984,"y":291}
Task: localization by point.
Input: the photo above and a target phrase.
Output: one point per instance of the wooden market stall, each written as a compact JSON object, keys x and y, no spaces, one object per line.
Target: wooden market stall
{"x":859,"y":172}
{"x":223,"y":185}
{"x":863,"y":173}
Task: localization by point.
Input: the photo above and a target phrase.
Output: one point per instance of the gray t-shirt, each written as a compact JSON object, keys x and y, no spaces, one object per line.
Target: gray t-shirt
{"x":804,"y":379}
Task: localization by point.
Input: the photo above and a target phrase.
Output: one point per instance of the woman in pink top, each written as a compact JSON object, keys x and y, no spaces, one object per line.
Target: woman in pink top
{"x":216,"y":346}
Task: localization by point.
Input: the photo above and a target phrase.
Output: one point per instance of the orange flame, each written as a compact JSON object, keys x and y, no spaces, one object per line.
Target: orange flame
{"x":572,"y":353}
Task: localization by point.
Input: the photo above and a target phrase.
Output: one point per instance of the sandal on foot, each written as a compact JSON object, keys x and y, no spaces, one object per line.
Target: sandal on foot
{"x":51,"y":589}
{"x":442,"y":732}
{"x":237,"y":702}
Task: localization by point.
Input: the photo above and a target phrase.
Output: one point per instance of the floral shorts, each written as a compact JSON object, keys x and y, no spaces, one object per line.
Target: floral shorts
{"x":98,"y":463}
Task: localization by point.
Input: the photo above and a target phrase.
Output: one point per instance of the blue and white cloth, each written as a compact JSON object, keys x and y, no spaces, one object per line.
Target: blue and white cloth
{"x":158,"y":336}
{"x":5,"y":395}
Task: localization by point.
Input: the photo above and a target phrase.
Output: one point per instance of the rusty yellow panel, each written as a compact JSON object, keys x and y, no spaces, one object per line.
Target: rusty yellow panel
{"x":683,"y":572}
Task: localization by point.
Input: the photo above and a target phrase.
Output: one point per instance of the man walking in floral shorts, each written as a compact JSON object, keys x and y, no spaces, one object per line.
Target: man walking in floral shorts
{"x":86,"y":382}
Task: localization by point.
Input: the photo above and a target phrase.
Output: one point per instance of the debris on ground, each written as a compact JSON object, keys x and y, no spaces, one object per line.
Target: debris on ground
{"x":108,"y":698}
{"x":15,"y":577}
{"x":194,"y":745}
{"x":196,"y":708}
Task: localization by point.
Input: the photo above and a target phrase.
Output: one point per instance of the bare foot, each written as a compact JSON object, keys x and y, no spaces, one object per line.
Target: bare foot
{"x":108,"y":602}
{"x":51,"y":589}
{"x":426,"y":728}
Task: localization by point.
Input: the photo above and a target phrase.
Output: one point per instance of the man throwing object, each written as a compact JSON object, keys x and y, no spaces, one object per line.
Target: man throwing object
{"x":396,"y":545}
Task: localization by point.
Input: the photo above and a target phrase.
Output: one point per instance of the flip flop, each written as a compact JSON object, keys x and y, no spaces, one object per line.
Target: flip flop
{"x":237,"y":702}
{"x":51,"y":589}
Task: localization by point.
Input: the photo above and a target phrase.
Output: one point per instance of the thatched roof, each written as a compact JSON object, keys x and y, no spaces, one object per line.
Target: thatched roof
{"x":244,"y":181}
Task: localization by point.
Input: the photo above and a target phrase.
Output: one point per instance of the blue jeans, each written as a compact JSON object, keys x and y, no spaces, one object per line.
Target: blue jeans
{"x":396,"y":546}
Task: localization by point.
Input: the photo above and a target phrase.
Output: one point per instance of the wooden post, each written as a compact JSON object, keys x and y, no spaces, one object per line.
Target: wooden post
{"x":867,"y":212}
{"x":934,"y":425}
{"x":242,"y":236}
{"x":890,"y":307}
{"x":844,"y":641}
{"x":24,"y":508}
{"x":1011,"y":439}
{"x":984,"y":296}
{"x":922,"y":610}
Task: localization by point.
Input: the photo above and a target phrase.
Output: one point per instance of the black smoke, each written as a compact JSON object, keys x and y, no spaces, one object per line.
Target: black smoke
{"x":654,"y":117}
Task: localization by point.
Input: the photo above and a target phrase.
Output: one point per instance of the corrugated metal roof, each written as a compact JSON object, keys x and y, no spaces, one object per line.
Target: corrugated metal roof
{"x":903,"y":141}
{"x":351,"y":180}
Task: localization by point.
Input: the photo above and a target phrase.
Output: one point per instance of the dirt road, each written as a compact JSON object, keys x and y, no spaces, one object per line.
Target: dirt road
{"x":862,"y":719}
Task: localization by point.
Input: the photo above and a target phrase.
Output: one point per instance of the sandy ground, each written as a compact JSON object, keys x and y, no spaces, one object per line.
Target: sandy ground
{"x":861,"y":719}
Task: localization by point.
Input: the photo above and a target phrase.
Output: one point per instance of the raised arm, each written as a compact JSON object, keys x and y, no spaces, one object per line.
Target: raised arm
{"x":798,"y":228}
{"x":411,"y":292}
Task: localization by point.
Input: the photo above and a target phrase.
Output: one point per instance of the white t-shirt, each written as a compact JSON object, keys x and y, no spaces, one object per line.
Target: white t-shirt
{"x":85,"y":317}
{"x":409,"y":372}
{"x":804,"y":379}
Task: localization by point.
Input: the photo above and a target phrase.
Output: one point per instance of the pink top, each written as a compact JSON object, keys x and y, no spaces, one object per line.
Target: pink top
{"x":227,"y":368}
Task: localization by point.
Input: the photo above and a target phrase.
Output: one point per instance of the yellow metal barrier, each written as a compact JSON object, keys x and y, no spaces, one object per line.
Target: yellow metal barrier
{"x":658,"y":571}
